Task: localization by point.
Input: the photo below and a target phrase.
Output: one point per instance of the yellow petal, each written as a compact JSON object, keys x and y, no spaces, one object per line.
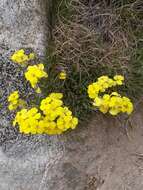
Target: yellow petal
{"x":38,"y":90}
{"x":113,"y":111}
{"x":97,"y":101}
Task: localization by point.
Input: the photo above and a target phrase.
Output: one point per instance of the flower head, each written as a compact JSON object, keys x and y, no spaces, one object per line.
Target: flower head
{"x":34,"y":74}
{"x":119,"y":79}
{"x":62,"y":75}
{"x":112,"y":103}
{"x":21,"y":58}
{"x":53,"y":119}
{"x":13,"y":100}
{"x":28,"y":120}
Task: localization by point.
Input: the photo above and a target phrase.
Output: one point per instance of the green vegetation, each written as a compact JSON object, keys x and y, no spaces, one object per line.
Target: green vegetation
{"x":105,"y":38}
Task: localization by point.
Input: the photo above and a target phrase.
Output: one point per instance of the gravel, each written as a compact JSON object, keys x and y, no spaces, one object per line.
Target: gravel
{"x":11,"y":78}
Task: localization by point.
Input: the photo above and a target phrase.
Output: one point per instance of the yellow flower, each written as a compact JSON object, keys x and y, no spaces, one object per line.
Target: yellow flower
{"x":103,"y":78}
{"x":21,"y":58}
{"x":12,"y":107}
{"x":62,"y":75}
{"x":102,"y":84}
{"x":74,"y":123}
{"x":106,"y":97}
{"x":13,"y":100}
{"x":115,"y":94}
{"x":103,"y":108}
{"x":13,"y":96}
{"x":114,"y":111}
{"x":112,"y":103}
{"x":34,"y":74}
{"x":38,"y":90}
{"x":28,"y":120}
{"x":119,"y":79}
{"x":56,"y":95}
{"x":127,"y":106}
{"x":105,"y":82}
{"x":56,"y":103}
{"x":97,"y":101}
{"x":54,"y":118}
{"x":31,"y":56}
{"x":111,"y":83}
{"x":20,"y":116}
{"x":93,"y":90}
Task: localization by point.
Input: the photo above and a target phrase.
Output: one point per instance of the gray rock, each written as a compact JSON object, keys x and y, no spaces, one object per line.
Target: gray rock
{"x":95,"y":157}
{"x":23,"y":23}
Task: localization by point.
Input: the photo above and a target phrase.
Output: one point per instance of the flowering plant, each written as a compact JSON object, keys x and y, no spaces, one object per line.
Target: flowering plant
{"x":113,"y":103}
{"x":51,"y":117}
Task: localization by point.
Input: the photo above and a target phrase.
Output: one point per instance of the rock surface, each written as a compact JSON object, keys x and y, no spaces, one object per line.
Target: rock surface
{"x":95,"y":157}
{"x":23,"y":23}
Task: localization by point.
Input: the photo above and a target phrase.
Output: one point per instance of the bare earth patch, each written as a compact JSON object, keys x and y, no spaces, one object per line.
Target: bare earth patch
{"x":99,"y":156}
{"x":103,"y":157}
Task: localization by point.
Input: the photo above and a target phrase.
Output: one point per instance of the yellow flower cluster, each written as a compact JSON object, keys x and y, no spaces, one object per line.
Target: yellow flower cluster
{"x":54,"y":119}
{"x":113,"y":103}
{"x":28,"y":121}
{"x":34,"y":74}
{"x":13,"y":100}
{"x":62,"y":75}
{"x":21,"y":58}
{"x":102,"y":84}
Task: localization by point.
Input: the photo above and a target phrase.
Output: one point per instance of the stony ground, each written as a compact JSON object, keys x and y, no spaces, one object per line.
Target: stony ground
{"x":99,"y":156}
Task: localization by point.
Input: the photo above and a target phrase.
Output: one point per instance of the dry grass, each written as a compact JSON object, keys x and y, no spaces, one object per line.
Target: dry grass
{"x":92,"y":38}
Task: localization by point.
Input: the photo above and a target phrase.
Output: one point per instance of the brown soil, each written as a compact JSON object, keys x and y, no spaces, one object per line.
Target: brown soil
{"x":105,"y":156}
